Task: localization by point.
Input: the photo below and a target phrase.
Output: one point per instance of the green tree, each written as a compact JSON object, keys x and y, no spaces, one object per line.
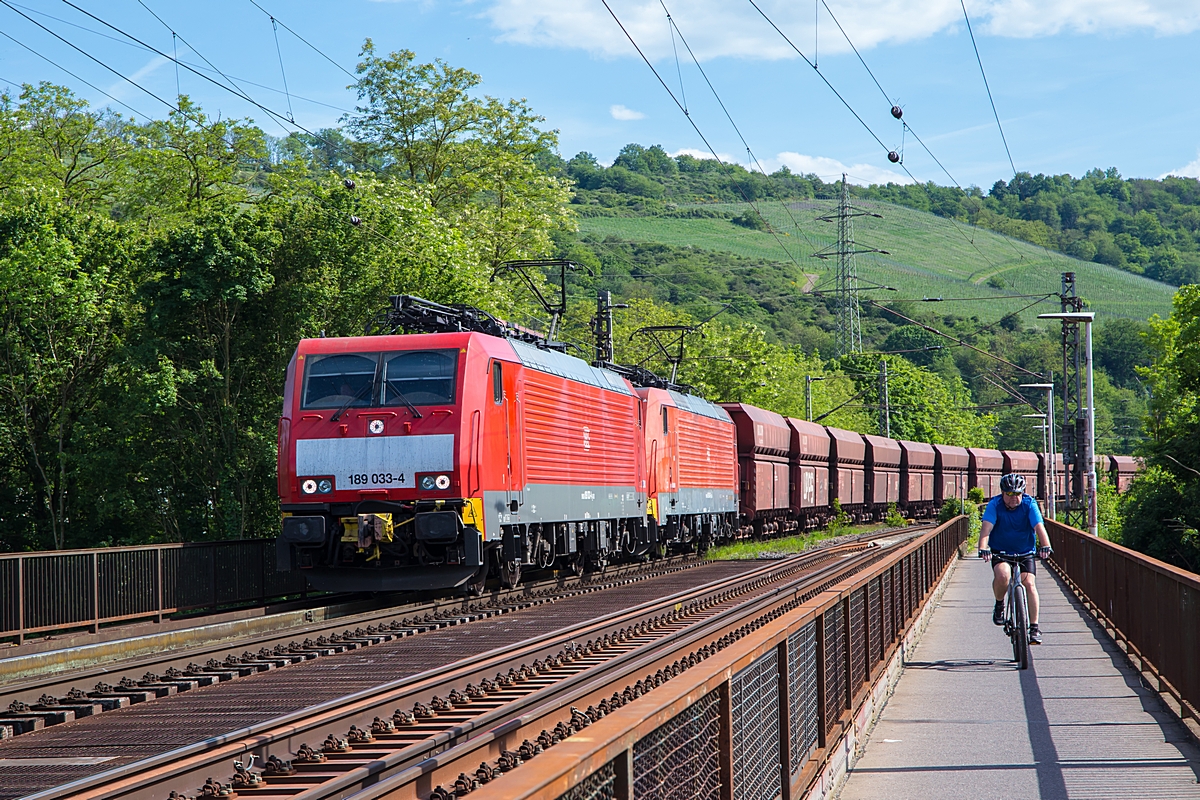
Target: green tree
{"x":64,"y":297}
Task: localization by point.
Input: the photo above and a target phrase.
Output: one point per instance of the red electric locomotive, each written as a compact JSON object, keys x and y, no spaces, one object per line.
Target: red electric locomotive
{"x":428,"y":461}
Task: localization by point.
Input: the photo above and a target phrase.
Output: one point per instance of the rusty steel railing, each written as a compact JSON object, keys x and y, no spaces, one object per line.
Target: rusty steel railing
{"x":1154,"y":608}
{"x":73,"y":589}
{"x":762,"y":717}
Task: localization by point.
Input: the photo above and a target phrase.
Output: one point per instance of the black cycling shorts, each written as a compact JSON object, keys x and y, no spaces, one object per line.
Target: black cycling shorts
{"x":1028,"y":562}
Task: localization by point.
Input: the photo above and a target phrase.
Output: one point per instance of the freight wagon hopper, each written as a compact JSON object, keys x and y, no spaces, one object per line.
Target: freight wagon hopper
{"x":882,"y":474}
{"x":1025,"y":463}
{"x":809,"y":454}
{"x":1122,"y":470}
{"x":916,"y":479}
{"x":847,"y":471}
{"x":1044,"y":478}
{"x":419,"y":461}
{"x":986,"y":468}
{"x":763,"y":441}
{"x":691,"y":454}
{"x":951,"y":473}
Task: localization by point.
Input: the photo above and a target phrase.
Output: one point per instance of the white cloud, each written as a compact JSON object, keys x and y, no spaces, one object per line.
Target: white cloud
{"x":1191,"y":170}
{"x":830,"y":169}
{"x":717,"y":28}
{"x":622,"y":113}
{"x":121,"y":89}
{"x":694,"y":153}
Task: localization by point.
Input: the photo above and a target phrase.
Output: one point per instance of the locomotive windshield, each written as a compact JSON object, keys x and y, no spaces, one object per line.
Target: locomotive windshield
{"x":371,"y":380}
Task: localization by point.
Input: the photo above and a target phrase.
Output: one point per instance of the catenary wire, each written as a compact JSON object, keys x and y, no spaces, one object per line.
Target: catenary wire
{"x":692,"y":122}
{"x":72,"y":74}
{"x":986,"y":86}
{"x":728,"y":116}
{"x":315,"y":49}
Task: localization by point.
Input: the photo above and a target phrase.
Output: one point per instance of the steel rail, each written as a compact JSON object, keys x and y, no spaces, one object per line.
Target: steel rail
{"x":443,"y":612}
{"x":135,"y":780}
{"x":283,"y":733}
{"x":604,"y":761}
{"x":514,"y":733}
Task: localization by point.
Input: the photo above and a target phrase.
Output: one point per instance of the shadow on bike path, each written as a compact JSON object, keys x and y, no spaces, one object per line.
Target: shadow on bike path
{"x":1078,"y":724}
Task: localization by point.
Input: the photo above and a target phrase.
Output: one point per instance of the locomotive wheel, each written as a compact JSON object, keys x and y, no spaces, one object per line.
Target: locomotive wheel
{"x":476,"y":583}
{"x":574,"y":564}
{"x":510,"y":573}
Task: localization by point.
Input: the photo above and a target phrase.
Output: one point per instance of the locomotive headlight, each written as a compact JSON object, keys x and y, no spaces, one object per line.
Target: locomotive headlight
{"x":442,"y":481}
{"x":309,"y":486}
{"x":428,"y":482}
{"x":325,"y":486}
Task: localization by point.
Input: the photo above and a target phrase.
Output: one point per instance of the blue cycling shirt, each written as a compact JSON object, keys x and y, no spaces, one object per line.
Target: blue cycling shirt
{"x":1012,"y":531}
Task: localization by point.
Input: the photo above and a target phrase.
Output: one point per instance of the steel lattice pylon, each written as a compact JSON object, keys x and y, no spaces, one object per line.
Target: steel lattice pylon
{"x":849,"y":311}
{"x":1075,"y":443}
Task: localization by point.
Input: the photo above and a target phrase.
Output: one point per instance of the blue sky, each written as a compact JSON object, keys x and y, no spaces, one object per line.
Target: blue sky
{"x":1077,"y":84}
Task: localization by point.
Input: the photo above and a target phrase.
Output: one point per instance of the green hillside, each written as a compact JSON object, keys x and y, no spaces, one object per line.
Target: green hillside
{"x":928,"y":256}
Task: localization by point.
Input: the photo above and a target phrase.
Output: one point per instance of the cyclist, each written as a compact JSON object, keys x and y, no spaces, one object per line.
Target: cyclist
{"x":1013,"y":525}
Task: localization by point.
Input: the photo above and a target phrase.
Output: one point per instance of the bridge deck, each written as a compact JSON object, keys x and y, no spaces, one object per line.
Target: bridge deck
{"x":965,"y":723}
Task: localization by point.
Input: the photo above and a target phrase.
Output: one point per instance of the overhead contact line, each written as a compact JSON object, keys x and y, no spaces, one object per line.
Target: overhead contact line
{"x":695,"y":127}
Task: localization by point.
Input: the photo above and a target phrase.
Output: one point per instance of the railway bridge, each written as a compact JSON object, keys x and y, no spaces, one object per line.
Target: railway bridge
{"x":869,"y":669}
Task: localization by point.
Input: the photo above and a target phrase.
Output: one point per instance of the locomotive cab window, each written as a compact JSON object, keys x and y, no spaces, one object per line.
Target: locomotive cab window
{"x":497,"y":382}
{"x":333,"y":381}
{"x":666,"y":429}
{"x":423,"y":377}
{"x":369,"y":380}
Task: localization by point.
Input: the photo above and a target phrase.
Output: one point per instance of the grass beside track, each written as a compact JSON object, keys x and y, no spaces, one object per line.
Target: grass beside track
{"x":785,"y":546}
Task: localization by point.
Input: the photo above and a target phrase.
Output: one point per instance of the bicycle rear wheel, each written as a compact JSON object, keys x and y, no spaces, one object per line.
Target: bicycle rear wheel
{"x":1020,"y":634}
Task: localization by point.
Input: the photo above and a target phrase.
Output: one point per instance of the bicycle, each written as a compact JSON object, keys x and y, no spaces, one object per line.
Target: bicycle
{"x":1016,"y":609}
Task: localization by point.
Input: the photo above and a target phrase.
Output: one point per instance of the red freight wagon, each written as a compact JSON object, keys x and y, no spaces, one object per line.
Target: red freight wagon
{"x":986,"y":467}
{"x":951,"y":473}
{"x":847,"y":470}
{"x":412,"y":461}
{"x":691,"y":453}
{"x":916,"y":478}
{"x":1122,"y":470}
{"x":882,"y":473}
{"x":1024,"y":463}
{"x":763,"y":441}
{"x":810,"y":472}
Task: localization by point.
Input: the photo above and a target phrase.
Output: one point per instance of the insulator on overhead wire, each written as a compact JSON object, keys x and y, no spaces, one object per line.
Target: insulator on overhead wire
{"x":897,"y":112}
{"x":355,"y":221}
{"x":894,"y":157}
{"x":349,"y":184}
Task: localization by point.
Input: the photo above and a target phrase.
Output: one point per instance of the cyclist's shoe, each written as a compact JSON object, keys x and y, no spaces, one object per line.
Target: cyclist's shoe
{"x":1035,"y":634}
{"x":998,"y":613}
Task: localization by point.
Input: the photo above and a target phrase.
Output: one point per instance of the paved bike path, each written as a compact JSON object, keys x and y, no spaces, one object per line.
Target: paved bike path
{"x":965,"y":723}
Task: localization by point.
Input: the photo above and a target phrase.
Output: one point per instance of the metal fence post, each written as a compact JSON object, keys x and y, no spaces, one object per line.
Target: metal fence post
{"x":623,"y":775}
{"x":20,"y":600}
{"x":785,"y":719}
{"x":726,"y":739}
{"x":158,"y":571}
{"x":95,"y":592}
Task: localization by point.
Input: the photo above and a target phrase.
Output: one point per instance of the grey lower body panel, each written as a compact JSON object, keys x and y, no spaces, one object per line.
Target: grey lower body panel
{"x":545,"y":503}
{"x":687,"y":502}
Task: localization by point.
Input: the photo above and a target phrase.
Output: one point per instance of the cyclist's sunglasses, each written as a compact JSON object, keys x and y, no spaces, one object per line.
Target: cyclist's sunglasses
{"x":1013,"y":494}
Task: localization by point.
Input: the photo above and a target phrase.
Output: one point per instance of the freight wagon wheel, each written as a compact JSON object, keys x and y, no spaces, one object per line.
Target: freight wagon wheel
{"x":510,"y":573}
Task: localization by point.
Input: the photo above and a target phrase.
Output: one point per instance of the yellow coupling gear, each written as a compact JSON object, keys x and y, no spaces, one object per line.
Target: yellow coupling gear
{"x":374,"y":529}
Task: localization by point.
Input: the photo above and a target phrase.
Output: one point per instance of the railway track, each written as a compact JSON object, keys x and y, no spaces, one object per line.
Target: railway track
{"x":192,"y":664}
{"x":474,"y":717}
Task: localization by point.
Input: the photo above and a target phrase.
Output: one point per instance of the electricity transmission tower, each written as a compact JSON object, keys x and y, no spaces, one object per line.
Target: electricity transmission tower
{"x":1076,"y":443}
{"x":849,"y":312}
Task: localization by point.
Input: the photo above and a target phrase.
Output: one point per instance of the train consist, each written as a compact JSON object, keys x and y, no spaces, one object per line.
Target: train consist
{"x":433,"y":460}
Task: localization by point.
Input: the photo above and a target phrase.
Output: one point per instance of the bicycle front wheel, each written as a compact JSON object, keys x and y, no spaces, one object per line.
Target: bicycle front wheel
{"x":1020,"y":634}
